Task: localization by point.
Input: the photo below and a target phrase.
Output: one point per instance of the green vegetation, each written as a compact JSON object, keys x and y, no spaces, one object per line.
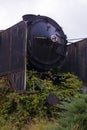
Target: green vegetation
{"x":18,"y":110}
{"x":73,"y":115}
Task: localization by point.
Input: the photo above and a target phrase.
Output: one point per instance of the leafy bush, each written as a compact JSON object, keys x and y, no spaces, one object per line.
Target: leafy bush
{"x":69,"y":86}
{"x":22,"y":108}
{"x":74,"y":115}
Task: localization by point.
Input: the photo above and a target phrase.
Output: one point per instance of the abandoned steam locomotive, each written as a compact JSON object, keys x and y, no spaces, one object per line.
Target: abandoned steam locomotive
{"x":40,"y":37}
{"x":46,"y":41}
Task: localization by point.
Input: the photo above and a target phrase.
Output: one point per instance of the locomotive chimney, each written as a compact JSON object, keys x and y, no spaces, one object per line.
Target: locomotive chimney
{"x":28,"y":17}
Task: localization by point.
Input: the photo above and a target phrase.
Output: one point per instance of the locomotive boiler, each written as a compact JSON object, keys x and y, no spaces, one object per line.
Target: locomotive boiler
{"x":39,"y":38}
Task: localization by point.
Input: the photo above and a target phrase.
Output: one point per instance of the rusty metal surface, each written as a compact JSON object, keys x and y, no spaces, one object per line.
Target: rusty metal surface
{"x":13,"y":53}
{"x":76,"y":59}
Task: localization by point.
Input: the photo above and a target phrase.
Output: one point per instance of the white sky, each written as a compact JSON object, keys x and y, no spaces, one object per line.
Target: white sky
{"x":71,"y":15}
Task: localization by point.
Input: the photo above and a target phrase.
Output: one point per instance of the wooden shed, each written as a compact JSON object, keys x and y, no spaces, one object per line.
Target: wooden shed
{"x":76,"y":59}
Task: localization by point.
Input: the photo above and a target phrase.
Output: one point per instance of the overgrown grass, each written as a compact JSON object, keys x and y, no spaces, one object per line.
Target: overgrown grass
{"x":35,"y":124}
{"x":73,"y":115}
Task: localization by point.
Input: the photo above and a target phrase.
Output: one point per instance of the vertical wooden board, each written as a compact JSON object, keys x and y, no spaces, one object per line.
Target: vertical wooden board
{"x":13,"y":43}
{"x":76,"y":59}
{"x":4,"y":52}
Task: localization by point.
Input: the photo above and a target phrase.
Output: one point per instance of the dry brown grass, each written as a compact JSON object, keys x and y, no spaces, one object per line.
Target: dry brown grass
{"x":40,"y":124}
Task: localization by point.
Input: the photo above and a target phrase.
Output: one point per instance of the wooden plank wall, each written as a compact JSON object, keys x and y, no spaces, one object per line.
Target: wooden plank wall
{"x":76,"y":59}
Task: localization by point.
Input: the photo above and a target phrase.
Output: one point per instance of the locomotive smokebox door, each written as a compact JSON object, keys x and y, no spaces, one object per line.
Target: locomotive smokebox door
{"x":13,"y":55}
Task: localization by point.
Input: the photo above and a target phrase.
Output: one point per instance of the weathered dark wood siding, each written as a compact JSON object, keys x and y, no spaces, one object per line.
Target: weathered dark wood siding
{"x":13,"y":42}
{"x":76,"y":59}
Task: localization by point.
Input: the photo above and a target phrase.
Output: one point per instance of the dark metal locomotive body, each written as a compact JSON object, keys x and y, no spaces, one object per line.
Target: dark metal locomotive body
{"x":46,"y":42}
{"x":40,"y":37}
